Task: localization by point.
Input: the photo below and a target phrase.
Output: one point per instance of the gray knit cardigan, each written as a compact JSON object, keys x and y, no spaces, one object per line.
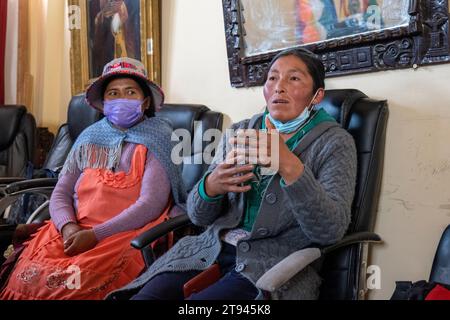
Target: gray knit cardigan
{"x":314,"y":210}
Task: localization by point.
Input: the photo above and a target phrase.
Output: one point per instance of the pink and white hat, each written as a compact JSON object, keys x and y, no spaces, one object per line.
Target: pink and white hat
{"x":123,"y":67}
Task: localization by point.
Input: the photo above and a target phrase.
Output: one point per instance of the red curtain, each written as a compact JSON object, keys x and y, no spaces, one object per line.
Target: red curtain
{"x":3,"y":14}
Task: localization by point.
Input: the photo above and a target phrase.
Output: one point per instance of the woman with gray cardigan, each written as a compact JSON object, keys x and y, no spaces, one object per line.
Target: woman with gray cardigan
{"x":253,"y":217}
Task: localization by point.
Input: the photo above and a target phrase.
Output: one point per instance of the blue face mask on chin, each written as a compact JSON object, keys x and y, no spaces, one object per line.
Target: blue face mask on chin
{"x":293,"y":124}
{"x":123,"y":113}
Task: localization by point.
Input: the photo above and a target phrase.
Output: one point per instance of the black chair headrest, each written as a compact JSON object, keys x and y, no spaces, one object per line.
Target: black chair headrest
{"x":338,"y":103}
{"x":182,"y":116}
{"x":80,"y":116}
{"x":10,"y":119}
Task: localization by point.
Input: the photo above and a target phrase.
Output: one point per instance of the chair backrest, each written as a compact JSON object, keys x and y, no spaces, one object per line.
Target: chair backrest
{"x":366,"y":120}
{"x":196,"y":119}
{"x":17,"y":140}
{"x":79,"y":116}
{"x":440,"y":271}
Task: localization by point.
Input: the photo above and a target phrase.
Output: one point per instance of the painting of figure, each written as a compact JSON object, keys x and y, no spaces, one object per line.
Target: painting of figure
{"x":113,"y":32}
{"x":279,"y":24}
{"x":327,"y":19}
{"x":314,"y":17}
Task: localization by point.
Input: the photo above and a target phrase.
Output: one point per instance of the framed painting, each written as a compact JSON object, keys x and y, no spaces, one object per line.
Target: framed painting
{"x":350,"y":36}
{"x":111,"y":29}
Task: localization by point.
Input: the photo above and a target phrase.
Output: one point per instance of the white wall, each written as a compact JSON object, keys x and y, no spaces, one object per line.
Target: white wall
{"x":415,"y":201}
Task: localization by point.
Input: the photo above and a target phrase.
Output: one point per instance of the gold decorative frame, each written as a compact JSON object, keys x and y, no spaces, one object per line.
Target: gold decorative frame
{"x":150,"y":35}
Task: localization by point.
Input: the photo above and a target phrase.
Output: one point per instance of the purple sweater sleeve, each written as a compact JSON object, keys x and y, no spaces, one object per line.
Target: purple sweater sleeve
{"x":61,"y":202}
{"x":153,"y":198}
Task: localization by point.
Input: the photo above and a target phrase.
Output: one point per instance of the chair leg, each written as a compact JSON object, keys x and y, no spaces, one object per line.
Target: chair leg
{"x":363,"y":251}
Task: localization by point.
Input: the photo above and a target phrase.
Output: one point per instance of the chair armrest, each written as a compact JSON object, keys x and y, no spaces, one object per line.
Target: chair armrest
{"x":146,"y":238}
{"x":13,"y":191}
{"x":280,"y":273}
{"x":357,"y":237}
{"x":30,"y":184}
{"x":7,"y":227}
{"x":9,"y":180}
{"x":284,"y":270}
{"x":41,"y":214}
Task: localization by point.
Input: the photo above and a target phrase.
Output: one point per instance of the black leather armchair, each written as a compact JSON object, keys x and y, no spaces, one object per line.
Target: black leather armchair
{"x":344,"y":264}
{"x":344,"y":269}
{"x":440,"y":270}
{"x":17,"y":142}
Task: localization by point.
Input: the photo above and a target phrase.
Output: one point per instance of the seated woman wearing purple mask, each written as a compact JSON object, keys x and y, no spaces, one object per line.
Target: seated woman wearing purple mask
{"x":118,"y":181}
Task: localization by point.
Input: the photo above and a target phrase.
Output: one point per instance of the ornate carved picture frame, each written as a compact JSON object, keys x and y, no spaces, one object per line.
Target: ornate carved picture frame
{"x":422,"y":40}
{"x":110,"y":29}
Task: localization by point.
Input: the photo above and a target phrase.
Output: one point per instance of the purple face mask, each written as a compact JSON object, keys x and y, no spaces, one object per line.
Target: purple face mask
{"x":123,"y":112}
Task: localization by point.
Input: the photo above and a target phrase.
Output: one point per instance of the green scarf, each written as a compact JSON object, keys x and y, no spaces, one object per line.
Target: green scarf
{"x":255,"y":195}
